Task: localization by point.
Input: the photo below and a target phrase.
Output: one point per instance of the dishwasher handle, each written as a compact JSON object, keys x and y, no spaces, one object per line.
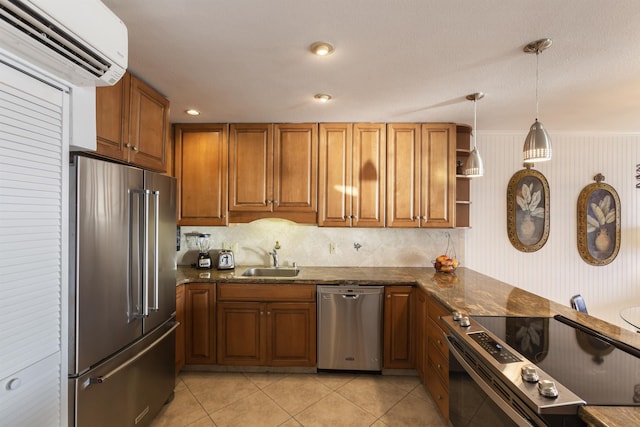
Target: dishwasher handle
{"x":351,"y":296}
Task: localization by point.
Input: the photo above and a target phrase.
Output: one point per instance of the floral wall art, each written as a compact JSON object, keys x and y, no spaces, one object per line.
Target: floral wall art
{"x":528,"y":210}
{"x":598,"y":223}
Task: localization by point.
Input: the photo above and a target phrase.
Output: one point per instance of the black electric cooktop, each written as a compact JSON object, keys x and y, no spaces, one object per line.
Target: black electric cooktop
{"x":599,"y":370}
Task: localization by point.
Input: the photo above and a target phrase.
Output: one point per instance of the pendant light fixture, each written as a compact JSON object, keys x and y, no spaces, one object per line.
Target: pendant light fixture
{"x":473,"y":166}
{"x":537,"y":145}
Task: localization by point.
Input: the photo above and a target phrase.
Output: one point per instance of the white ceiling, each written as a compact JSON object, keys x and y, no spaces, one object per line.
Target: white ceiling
{"x":395,"y":60}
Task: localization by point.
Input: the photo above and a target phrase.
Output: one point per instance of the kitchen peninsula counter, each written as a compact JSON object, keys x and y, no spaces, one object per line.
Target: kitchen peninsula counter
{"x":466,"y":290}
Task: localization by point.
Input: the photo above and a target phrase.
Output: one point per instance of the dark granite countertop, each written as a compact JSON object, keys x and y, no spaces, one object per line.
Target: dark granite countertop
{"x":466,"y":290}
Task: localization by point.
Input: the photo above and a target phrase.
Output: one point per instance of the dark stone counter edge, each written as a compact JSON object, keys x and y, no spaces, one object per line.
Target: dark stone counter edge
{"x":466,"y":290}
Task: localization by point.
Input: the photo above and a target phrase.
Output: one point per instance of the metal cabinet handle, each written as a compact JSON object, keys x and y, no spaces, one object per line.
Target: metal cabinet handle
{"x":135,"y":148}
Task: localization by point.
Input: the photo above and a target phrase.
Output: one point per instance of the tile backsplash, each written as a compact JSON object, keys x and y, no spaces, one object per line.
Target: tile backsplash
{"x":311,"y":245}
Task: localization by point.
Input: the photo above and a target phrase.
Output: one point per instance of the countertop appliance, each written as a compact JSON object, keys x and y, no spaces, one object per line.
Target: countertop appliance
{"x":122,"y":293}
{"x":226,"y":260}
{"x":350,"y":327}
{"x":204,"y":244}
{"x":536,"y":370}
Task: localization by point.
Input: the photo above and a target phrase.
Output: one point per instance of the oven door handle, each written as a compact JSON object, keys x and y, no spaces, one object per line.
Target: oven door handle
{"x":504,"y":406}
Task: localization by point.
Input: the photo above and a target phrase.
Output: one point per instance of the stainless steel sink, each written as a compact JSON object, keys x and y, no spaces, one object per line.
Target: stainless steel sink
{"x":271,"y":272}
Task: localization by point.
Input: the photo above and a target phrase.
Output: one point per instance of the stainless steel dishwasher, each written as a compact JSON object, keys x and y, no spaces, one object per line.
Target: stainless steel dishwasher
{"x":350,"y":327}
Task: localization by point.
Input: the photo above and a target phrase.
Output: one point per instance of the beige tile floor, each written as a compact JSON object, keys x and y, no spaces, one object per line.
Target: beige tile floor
{"x":272,"y":399}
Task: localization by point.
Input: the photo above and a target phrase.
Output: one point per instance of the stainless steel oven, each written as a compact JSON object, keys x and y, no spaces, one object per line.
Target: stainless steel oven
{"x":534,"y":371}
{"x":486,"y":384}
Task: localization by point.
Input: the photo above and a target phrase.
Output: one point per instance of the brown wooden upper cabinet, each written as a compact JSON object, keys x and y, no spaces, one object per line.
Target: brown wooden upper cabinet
{"x":273,"y":172}
{"x":421,"y":175}
{"x":132,"y":123}
{"x":201,"y":167}
{"x":352,"y":175}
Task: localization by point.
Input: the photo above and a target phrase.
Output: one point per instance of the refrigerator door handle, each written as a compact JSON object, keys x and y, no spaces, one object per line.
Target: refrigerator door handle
{"x":145,"y":256}
{"x":156,"y":249}
{"x":134,"y":251}
{"x":105,"y":377}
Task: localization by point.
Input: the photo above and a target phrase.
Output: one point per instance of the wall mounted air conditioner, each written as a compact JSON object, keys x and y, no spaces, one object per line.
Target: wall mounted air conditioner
{"x":80,"y":41}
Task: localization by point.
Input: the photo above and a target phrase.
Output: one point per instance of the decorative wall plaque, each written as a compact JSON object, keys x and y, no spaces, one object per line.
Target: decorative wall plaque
{"x":528,"y":210}
{"x":598,"y":222}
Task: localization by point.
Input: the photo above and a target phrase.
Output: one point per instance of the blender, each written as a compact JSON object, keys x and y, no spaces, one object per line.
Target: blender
{"x":204,"y":244}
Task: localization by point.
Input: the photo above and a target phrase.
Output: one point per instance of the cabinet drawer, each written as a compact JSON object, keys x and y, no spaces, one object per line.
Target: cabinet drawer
{"x":439,"y":392}
{"x":437,"y":341}
{"x":437,"y":363}
{"x":437,"y":310}
{"x":271,"y":292}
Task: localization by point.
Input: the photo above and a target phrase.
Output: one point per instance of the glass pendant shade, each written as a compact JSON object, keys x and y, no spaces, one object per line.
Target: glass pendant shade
{"x":537,"y":145}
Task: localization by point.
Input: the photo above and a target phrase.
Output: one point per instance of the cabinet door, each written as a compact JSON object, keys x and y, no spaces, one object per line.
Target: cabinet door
{"x":251,"y":168}
{"x":241,"y":333}
{"x":201,"y":167}
{"x":296,"y":167}
{"x":200,"y":323}
{"x":112,"y":119}
{"x":368,"y":175}
{"x":291,"y":332}
{"x":180,"y":334}
{"x":403,"y":166}
{"x":398,"y":330}
{"x":335,"y":190}
{"x":148,"y":126}
{"x":437,"y":370}
{"x":438,"y":179}
{"x":421,"y":335}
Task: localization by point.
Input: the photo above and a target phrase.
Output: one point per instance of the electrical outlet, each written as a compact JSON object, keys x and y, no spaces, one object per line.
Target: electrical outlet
{"x":332,"y":248}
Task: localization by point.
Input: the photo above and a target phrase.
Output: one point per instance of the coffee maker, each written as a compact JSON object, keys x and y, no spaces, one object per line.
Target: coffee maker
{"x":204,"y":244}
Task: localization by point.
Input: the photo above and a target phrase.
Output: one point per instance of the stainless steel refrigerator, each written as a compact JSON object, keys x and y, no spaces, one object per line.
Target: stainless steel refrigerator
{"x":121,"y":293}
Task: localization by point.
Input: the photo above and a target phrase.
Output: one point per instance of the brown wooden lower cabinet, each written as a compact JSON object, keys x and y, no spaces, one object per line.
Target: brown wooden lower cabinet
{"x":437,"y":369}
{"x":421,"y":332}
{"x":180,"y":347}
{"x":200,"y":302}
{"x":266,"y":325}
{"x":398,"y":328}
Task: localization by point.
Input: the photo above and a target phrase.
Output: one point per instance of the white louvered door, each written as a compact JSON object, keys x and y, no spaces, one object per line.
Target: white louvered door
{"x":33,"y":226}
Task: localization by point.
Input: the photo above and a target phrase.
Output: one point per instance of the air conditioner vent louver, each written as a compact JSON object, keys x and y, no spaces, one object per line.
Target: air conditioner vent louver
{"x":48,"y":34}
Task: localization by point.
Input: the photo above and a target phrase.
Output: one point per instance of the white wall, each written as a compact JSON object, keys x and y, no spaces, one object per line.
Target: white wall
{"x":557,"y":271}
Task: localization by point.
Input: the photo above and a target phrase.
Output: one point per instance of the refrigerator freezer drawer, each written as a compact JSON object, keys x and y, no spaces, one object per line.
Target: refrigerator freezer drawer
{"x":130,"y":388}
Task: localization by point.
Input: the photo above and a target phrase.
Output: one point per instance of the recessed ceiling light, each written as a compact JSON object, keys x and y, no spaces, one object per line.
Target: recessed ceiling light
{"x":322,"y":97}
{"x":192,"y":112}
{"x":322,"y":48}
